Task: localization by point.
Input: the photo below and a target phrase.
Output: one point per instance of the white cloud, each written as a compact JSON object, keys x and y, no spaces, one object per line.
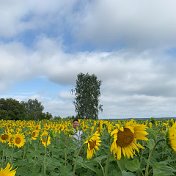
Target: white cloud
{"x":139,"y":81}
{"x":17,"y":16}
{"x":138,"y":24}
{"x":14,"y":64}
{"x":138,"y":106}
{"x":66,"y":95}
{"x":140,"y":84}
{"x":146,"y":23}
{"x":58,"y":107}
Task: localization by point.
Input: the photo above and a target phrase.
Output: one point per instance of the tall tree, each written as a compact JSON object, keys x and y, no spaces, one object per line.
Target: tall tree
{"x":11,"y":109}
{"x":87,"y":92}
{"x":33,"y":109}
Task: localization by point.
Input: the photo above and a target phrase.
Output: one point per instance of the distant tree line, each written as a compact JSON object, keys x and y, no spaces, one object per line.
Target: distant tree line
{"x":11,"y":109}
{"x":87,"y":93}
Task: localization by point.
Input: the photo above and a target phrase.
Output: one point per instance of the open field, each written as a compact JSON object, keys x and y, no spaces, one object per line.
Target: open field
{"x":108,"y":148}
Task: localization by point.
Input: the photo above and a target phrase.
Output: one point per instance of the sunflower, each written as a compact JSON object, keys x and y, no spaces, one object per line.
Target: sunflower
{"x":93,"y":144}
{"x":4,"y":137}
{"x":45,"y":139}
{"x":38,"y":127}
{"x":172,"y":136}
{"x":35,"y":134}
{"x":7,"y":171}
{"x":10,"y":140}
{"x":125,"y":140}
{"x":19,"y":140}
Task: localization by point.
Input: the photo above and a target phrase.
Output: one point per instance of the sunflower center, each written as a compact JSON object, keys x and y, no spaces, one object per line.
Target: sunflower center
{"x":92,"y":144}
{"x":11,"y":139}
{"x":44,"y":138}
{"x":4,"y":137}
{"x":17,"y":140}
{"x":33,"y":134}
{"x":37,"y":128}
{"x":124,"y":138}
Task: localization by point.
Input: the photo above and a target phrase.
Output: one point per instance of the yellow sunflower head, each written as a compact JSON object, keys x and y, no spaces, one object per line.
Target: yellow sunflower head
{"x":10,"y":141}
{"x":35,"y":134}
{"x":93,"y":144}
{"x":38,"y":127}
{"x":45,"y":138}
{"x":7,"y":171}
{"x":4,"y":137}
{"x":172,"y":136}
{"x":125,"y":140}
{"x":19,"y":140}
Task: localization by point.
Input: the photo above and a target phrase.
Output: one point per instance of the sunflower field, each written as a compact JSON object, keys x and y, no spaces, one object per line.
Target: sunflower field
{"x":106,"y":148}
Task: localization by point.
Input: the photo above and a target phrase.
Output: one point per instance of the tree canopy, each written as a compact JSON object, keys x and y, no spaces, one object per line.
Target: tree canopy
{"x":33,"y":109}
{"x":87,"y":93}
{"x":11,"y":109}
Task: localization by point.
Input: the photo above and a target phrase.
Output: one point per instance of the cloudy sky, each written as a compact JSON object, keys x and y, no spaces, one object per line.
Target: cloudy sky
{"x":130,"y":45}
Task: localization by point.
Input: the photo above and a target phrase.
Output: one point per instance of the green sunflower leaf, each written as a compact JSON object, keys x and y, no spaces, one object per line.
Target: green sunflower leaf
{"x":132,"y":165}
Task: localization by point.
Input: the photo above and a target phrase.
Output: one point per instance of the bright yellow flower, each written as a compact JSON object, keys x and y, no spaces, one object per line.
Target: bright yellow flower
{"x":7,"y":171}
{"x":172,"y":136}
{"x":19,"y":140}
{"x":10,"y":141}
{"x":45,"y":139}
{"x":38,"y":127}
{"x":150,"y":124}
{"x":125,"y":140}
{"x":93,"y":144}
{"x":4,"y":137}
{"x":35,"y":134}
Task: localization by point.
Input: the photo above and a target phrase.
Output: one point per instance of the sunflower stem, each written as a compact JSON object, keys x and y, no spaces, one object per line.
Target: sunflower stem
{"x":102,"y":168}
{"x":44,"y":163}
{"x":107,"y":164}
{"x":74,"y":167}
{"x":65,"y":156}
{"x":150,"y":156}
{"x":24,"y":151}
{"x":11,"y":156}
{"x":3,"y":156}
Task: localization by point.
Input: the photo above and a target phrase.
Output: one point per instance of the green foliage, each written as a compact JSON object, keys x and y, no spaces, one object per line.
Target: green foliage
{"x":124,"y":173}
{"x":65,"y":157}
{"x":11,"y":109}
{"x":34,"y":110}
{"x":132,"y":165}
{"x":150,"y":144}
{"x":87,"y":94}
{"x":47,"y":116}
{"x":162,"y":169}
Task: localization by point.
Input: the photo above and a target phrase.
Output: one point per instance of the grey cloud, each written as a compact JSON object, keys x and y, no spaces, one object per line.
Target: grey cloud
{"x":59,"y":107}
{"x":138,"y":106}
{"x":132,"y":83}
{"x":15,"y":64}
{"x":17,"y":16}
{"x":135,"y":24}
{"x":148,"y":23}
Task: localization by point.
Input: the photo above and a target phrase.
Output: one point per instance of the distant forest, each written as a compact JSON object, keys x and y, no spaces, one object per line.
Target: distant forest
{"x":11,"y":109}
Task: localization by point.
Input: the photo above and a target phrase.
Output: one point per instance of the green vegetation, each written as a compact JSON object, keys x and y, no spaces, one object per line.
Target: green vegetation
{"x":87,"y":93}
{"x":11,"y":109}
